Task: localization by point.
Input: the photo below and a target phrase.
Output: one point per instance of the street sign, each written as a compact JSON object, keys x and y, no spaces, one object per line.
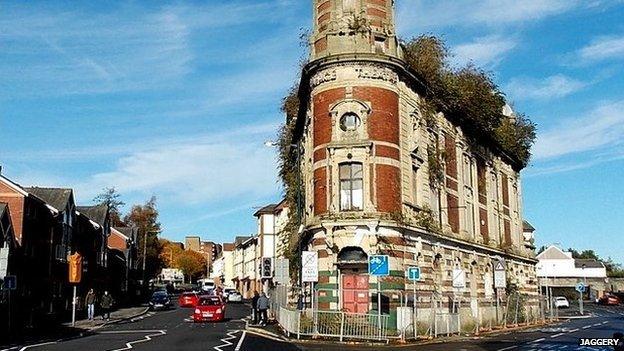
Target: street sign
{"x":309,"y":266}
{"x":580,"y":287}
{"x":282,"y":271}
{"x":459,"y":279}
{"x":500,"y":275}
{"x":413,"y":273}
{"x":10,"y":283}
{"x":378,"y":265}
{"x":4,"y":261}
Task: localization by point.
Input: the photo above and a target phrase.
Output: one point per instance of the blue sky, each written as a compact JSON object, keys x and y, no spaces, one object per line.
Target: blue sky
{"x":176,"y":100}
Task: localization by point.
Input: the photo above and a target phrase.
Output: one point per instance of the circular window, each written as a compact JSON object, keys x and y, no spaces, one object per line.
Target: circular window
{"x":349,"y":121}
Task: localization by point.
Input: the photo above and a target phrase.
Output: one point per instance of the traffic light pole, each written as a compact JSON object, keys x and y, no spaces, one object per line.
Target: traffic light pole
{"x":74,"y":308}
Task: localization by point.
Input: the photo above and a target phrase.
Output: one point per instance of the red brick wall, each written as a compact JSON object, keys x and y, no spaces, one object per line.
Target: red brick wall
{"x":320,"y":191}
{"x":320,"y":155}
{"x":324,"y":6}
{"x":376,"y":12}
{"x":15,"y":202}
{"x":505,"y":188}
{"x":453,"y":212}
{"x":383,"y":123}
{"x":322,"y":120}
{"x":377,"y":2}
{"x":388,"y":185}
{"x":116,"y":241}
{"x":320,"y":45}
{"x":387,"y":151}
{"x":323,"y":18}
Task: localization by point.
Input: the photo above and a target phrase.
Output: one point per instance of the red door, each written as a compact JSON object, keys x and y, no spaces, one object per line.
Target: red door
{"x":355,"y":293}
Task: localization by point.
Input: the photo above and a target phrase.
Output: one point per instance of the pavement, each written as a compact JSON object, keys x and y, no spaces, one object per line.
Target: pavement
{"x":174,"y":330}
{"x":115,"y":317}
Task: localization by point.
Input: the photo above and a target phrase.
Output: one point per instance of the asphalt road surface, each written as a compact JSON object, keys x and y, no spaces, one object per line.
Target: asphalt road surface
{"x":174,"y":330}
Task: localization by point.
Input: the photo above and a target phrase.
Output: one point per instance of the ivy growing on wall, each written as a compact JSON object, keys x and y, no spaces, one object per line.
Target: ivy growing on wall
{"x":469,"y":95}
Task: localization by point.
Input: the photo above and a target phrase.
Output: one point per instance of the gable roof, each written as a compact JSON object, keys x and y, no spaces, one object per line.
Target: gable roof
{"x":97,"y":213}
{"x":527,"y":227}
{"x":588,"y":263}
{"x":554,"y":253}
{"x":11,"y":184}
{"x":128,"y":232}
{"x":55,"y":197}
{"x":268,"y":209}
{"x":241,"y":239}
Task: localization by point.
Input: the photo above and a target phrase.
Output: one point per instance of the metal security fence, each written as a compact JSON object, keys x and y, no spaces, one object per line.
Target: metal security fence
{"x":413,"y":316}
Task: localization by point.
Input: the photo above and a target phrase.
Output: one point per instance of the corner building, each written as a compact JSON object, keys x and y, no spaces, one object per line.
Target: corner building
{"x":365,"y":173}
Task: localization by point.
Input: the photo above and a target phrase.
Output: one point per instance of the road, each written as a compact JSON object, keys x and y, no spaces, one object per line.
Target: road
{"x":173,"y":330}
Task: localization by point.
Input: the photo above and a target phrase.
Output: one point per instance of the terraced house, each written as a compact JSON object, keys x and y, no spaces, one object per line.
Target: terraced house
{"x":374,"y":181}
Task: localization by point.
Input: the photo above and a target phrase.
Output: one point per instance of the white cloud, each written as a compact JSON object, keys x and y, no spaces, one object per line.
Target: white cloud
{"x":484,"y":51}
{"x":603,"y":48}
{"x":197,"y":170}
{"x":600,"y":129}
{"x":418,"y":14}
{"x":552,"y":87}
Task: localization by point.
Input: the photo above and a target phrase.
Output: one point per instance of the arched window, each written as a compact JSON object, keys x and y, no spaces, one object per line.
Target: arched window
{"x":351,"y":186}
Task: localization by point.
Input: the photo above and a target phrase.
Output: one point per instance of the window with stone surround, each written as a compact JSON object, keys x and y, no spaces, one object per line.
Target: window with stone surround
{"x":351,"y":186}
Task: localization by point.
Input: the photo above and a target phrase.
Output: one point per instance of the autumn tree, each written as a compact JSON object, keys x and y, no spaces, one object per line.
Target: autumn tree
{"x":145,"y":218}
{"x":169,"y":253}
{"x":110,"y":197}
{"x":191,"y":263}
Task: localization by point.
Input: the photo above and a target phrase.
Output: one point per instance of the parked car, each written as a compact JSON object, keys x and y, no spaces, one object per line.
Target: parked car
{"x":160,"y":300}
{"x":561,"y":302}
{"x":209,"y":309}
{"x":234,"y":296}
{"x":227,"y":291}
{"x":188,"y":299}
{"x":608,"y":299}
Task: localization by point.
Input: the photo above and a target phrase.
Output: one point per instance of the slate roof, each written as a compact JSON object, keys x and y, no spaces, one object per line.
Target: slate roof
{"x":55,"y":197}
{"x":578,"y":263}
{"x":241,"y":239}
{"x":527,"y":227}
{"x":268,"y":209}
{"x":95,"y":213}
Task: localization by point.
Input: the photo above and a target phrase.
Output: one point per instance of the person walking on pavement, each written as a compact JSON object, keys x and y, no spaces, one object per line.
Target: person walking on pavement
{"x":254,"y":307}
{"x":90,"y":301}
{"x":263,"y":306}
{"x":106,"y":304}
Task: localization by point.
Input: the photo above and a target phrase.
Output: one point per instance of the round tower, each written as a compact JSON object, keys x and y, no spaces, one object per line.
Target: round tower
{"x":353,"y":26}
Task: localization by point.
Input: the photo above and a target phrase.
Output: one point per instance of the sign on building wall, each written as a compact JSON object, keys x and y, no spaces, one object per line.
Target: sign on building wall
{"x":282,"y":271}
{"x":500,"y":275}
{"x":309,"y":266}
{"x":459,"y":279}
{"x":379,"y":265}
{"x":413,"y":274}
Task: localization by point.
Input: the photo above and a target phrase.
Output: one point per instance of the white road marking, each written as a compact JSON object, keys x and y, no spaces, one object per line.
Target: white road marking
{"x":37,"y":345}
{"x":538,"y":340}
{"x":226,"y":341}
{"x":573,"y":330}
{"x":556,"y":335}
{"x":144,"y":339}
{"x":508,"y":348}
{"x":240,"y":341}
{"x":587,"y":327}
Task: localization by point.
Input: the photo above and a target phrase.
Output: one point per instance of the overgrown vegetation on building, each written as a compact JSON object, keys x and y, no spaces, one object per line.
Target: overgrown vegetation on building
{"x":470,"y":96}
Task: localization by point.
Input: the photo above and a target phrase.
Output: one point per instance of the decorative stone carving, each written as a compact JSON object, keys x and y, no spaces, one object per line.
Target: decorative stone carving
{"x":377,"y":73}
{"x":323,"y":77}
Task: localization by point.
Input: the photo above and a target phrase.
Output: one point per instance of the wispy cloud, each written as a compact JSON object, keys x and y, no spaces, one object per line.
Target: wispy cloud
{"x":484,"y":51}
{"x":603,"y":48}
{"x":599,"y":129}
{"x":203,"y":170}
{"x":427,"y":14}
{"x":552,"y":87}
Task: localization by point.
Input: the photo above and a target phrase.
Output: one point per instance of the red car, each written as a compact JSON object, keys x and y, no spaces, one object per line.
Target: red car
{"x":609,"y":299}
{"x":188,"y":299}
{"x":209,"y":309}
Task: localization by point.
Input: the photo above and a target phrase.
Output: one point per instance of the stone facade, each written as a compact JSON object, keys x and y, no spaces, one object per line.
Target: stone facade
{"x":368,"y":190}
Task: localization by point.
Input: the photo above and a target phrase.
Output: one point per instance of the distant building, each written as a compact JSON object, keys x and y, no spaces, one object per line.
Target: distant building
{"x":209,"y":249}
{"x":223,"y":266}
{"x":558,"y":269}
